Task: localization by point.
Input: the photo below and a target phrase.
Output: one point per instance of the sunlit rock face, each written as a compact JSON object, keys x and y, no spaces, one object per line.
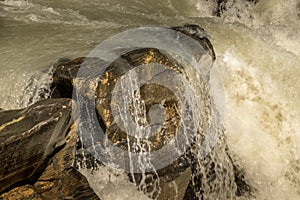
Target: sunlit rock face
{"x":257,"y":56}
{"x":153,"y":104}
{"x":143,"y":100}
{"x":157,"y":108}
{"x":156,"y":99}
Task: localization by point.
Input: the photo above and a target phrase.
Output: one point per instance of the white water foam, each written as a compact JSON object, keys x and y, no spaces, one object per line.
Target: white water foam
{"x":112,"y":184}
{"x":258,"y":58}
{"x":262,"y":102}
{"x":32,"y":12}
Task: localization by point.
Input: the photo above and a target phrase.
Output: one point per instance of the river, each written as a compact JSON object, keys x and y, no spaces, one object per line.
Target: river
{"x":258,"y":57}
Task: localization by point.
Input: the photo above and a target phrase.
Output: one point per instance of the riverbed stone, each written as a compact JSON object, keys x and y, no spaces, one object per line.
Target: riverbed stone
{"x":28,"y":137}
{"x":37,"y":151}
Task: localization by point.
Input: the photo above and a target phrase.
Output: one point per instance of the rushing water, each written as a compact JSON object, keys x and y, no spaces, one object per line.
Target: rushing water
{"x":258,"y":56}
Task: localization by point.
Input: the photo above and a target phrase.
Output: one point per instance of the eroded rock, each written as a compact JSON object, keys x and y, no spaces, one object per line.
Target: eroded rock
{"x":28,"y":137}
{"x":52,"y":174}
{"x":37,"y":151}
{"x":205,"y":176}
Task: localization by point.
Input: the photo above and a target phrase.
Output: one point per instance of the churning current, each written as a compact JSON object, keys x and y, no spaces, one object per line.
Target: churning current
{"x":257,"y":55}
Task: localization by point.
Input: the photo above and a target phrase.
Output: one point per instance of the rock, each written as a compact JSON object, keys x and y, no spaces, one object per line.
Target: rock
{"x":65,"y":75}
{"x":22,"y":193}
{"x":224,"y":5}
{"x":40,"y":130}
{"x":65,"y":71}
{"x":197,"y":33}
{"x":176,"y":188}
{"x":52,"y":173}
{"x":61,"y":180}
{"x":37,"y":152}
{"x":116,"y":83}
{"x":221,"y":7}
{"x":213,"y":177}
{"x":150,"y":93}
{"x":189,"y":177}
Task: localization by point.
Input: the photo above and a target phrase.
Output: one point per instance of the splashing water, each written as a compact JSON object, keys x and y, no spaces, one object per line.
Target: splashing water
{"x":258,"y":58}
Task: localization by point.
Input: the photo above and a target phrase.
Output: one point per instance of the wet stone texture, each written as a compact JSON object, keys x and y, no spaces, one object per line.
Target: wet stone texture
{"x":28,"y":137}
{"x":39,"y":145}
{"x":37,"y":153}
{"x":151,"y":94}
{"x":196,"y":179}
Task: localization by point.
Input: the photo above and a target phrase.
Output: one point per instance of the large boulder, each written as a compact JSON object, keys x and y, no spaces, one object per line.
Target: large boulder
{"x":29,"y":137}
{"x":38,"y":147}
{"x":205,"y":176}
{"x":37,"y":152}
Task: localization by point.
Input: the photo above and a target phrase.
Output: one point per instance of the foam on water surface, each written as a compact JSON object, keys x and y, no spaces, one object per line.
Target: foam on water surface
{"x":258,"y":56}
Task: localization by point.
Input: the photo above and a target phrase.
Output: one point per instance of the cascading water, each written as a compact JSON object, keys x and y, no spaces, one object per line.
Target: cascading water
{"x":189,"y":129}
{"x":258,"y":58}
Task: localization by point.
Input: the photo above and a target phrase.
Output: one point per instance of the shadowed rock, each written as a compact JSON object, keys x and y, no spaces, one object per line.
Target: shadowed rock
{"x":222,"y":6}
{"x":29,"y":137}
{"x":37,"y":152}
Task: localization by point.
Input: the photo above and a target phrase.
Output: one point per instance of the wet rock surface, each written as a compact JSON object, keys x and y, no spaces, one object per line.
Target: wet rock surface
{"x":40,"y":130}
{"x":41,"y":152}
{"x":223,"y":5}
{"x":173,"y":175}
{"x":65,"y":75}
{"x":37,"y":153}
